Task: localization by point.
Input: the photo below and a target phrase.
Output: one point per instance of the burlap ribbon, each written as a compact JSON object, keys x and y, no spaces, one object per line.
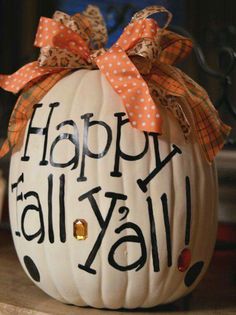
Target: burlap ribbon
{"x":139,"y":67}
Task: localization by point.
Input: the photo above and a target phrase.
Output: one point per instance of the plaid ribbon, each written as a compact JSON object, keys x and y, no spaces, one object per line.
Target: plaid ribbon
{"x":139,"y":67}
{"x":171,"y":84}
{"x":23,"y":110}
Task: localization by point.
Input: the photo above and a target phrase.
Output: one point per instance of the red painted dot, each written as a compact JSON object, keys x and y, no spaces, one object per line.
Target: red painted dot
{"x":184,"y":260}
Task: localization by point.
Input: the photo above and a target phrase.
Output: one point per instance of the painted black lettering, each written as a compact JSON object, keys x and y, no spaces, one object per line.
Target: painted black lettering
{"x":73,"y":138}
{"x":50,"y":205}
{"x":86,"y":152}
{"x":155,"y":255}
{"x":62,"y":227}
{"x":143,"y":183}
{"x":19,"y":197}
{"x":15,"y":185}
{"x":138,"y":238}
{"x":103,"y":223}
{"x":167,"y":228}
{"x":119,"y":153}
{"x":62,"y":209}
{"x":39,"y":131}
{"x":125,"y":211}
{"x":37,"y":208}
{"x":188,"y":210}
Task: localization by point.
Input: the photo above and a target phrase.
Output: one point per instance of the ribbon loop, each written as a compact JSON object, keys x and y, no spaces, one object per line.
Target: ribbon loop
{"x":99,"y":35}
{"x":54,"y":34}
{"x":76,"y":23}
{"x":154,"y":9}
{"x":136,"y":32}
{"x":89,"y":25}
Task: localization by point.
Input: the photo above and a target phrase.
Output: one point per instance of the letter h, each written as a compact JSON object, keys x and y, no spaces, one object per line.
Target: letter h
{"x":39,"y":131}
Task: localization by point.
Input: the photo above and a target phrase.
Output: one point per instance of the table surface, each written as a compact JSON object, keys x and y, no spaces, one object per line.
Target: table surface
{"x":216,"y":294}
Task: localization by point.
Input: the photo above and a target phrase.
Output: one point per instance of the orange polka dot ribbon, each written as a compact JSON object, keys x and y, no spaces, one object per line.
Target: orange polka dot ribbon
{"x":30,"y":72}
{"x":128,"y":83}
{"x":139,"y":67}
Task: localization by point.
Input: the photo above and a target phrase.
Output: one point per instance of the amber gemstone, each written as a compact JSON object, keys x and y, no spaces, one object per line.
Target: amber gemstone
{"x":184,"y":260}
{"x":80,"y":229}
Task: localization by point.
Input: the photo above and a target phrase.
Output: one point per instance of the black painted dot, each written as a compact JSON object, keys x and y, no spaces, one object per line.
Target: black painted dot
{"x":32,"y":269}
{"x":193,"y":273}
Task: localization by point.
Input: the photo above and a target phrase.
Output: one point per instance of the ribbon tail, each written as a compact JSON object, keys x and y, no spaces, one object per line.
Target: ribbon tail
{"x":30,"y":73}
{"x":4,"y":148}
{"x":126,"y":81}
{"x":211,"y":131}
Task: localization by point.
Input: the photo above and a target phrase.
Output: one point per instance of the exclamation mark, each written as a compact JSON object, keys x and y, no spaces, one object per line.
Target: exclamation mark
{"x":155,"y":255}
{"x":167,"y":228}
{"x":188,"y":211}
{"x":184,"y":259}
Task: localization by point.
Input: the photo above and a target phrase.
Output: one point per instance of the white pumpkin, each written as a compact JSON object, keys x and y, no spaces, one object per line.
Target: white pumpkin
{"x":136,"y":229}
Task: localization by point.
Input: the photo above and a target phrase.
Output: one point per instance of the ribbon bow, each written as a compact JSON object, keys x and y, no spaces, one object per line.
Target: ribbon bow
{"x":139,"y":67}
